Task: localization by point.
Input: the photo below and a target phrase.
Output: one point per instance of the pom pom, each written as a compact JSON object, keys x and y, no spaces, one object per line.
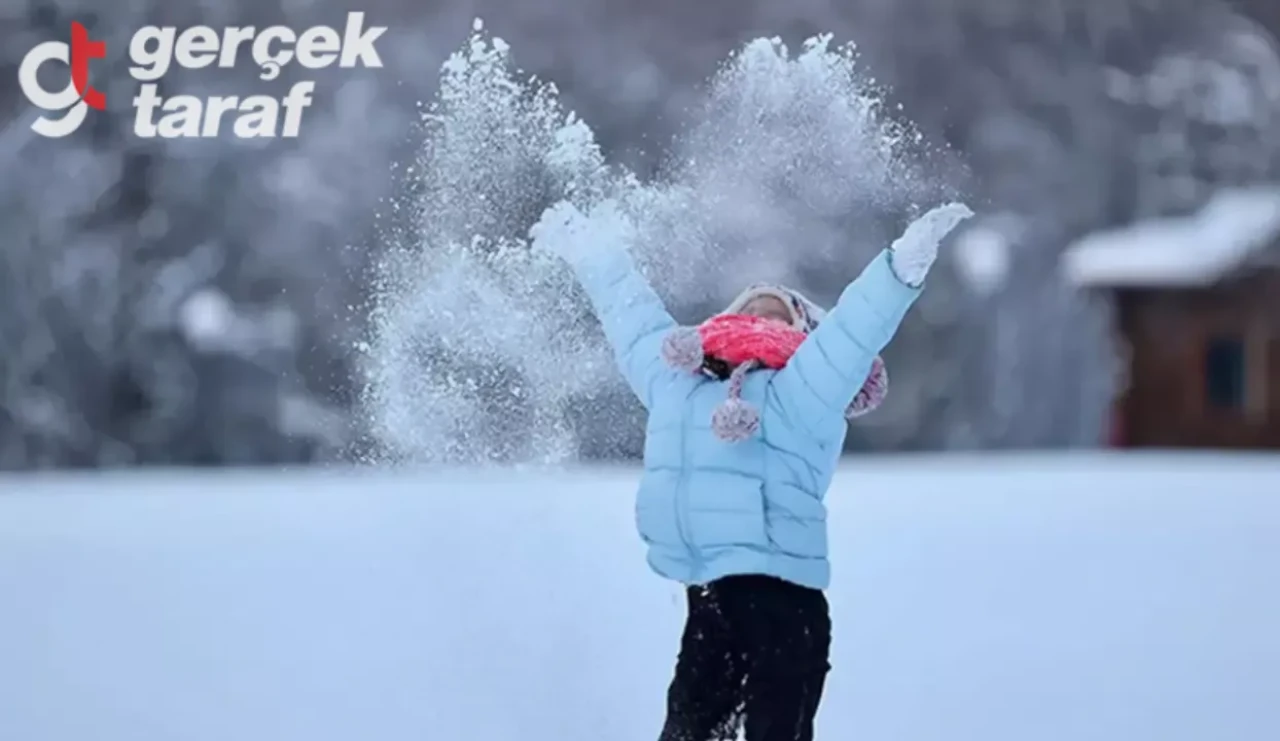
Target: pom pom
{"x":735,"y":420}
{"x":873,"y":391}
{"x":682,"y":349}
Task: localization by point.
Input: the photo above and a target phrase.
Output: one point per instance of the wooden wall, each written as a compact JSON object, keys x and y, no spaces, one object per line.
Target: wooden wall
{"x":1204,"y":365}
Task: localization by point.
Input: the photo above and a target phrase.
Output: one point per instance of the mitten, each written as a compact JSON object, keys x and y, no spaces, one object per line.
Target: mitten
{"x":569,"y":233}
{"x":912,"y":254}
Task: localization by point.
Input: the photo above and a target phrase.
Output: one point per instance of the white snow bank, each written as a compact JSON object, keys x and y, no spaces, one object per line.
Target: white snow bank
{"x":1194,"y":250}
{"x":1024,"y":599}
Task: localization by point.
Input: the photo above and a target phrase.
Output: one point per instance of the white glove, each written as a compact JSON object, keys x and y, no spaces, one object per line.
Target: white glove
{"x":574,"y":236}
{"x":912,"y":254}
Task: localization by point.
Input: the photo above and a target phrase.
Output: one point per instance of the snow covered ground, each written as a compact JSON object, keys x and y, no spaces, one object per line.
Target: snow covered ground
{"x":1071,"y":598}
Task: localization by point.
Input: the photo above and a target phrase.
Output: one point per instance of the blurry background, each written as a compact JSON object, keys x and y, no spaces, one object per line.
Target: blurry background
{"x":200,"y":302}
{"x":176,"y":303}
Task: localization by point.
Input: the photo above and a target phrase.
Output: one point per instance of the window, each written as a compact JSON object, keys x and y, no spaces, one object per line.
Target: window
{"x":1226,"y":384}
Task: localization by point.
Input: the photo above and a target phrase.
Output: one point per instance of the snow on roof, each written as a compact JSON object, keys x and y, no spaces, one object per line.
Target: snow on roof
{"x":1193,"y":250}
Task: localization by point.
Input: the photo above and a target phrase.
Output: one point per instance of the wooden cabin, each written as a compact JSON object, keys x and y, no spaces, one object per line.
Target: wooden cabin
{"x":1198,"y":323}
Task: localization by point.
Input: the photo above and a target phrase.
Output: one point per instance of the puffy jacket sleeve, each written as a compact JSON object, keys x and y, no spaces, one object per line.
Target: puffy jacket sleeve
{"x":634,"y":318}
{"x":829,"y":368}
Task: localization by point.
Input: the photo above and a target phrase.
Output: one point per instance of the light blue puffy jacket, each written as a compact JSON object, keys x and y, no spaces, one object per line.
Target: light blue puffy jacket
{"x":709,"y":508}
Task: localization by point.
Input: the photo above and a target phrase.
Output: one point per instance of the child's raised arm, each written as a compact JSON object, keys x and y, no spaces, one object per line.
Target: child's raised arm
{"x":634,"y":318}
{"x":829,"y":368}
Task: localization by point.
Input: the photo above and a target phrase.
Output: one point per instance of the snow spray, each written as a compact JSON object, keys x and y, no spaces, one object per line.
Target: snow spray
{"x":481,"y":350}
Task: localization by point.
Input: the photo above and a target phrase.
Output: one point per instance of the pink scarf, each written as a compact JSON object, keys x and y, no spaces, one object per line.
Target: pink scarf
{"x":739,"y":338}
{"x":729,"y":346}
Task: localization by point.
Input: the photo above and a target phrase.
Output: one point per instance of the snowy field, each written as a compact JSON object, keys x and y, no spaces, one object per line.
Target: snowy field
{"x":1087,"y":598}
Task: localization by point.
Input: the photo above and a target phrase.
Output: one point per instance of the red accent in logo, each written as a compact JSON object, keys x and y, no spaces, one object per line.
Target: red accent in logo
{"x":82,"y":50}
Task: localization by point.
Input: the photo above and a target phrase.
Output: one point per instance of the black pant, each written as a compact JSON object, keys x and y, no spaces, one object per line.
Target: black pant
{"x":755,"y":651}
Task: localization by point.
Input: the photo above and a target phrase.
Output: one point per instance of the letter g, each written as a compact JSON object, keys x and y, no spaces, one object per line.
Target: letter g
{"x":68,"y":99}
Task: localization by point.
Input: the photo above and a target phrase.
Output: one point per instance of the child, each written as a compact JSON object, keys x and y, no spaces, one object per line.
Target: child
{"x":747,"y":419}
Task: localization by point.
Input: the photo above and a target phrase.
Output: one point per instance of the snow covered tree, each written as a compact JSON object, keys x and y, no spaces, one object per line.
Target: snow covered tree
{"x":184,"y":301}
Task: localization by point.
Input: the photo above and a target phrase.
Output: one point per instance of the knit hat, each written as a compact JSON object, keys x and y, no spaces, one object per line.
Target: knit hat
{"x":729,"y":346}
{"x":805,"y":314}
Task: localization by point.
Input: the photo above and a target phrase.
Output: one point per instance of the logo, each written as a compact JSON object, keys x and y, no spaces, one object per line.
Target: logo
{"x":154,"y":50}
{"x":78,"y":97}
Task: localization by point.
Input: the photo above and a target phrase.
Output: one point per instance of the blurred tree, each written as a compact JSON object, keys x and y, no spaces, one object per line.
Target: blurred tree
{"x":183,"y":301}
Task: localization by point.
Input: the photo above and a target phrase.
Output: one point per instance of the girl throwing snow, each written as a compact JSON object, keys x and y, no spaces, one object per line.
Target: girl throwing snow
{"x":747,"y":419}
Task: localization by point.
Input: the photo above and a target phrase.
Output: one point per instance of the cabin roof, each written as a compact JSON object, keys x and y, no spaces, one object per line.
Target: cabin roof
{"x":1195,"y":250}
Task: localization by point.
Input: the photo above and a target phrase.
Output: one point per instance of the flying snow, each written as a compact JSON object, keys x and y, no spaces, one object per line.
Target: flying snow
{"x":481,"y":350}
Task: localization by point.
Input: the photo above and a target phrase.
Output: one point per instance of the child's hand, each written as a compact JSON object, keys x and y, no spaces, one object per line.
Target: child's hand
{"x":567,"y":232}
{"x":912,"y":254}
